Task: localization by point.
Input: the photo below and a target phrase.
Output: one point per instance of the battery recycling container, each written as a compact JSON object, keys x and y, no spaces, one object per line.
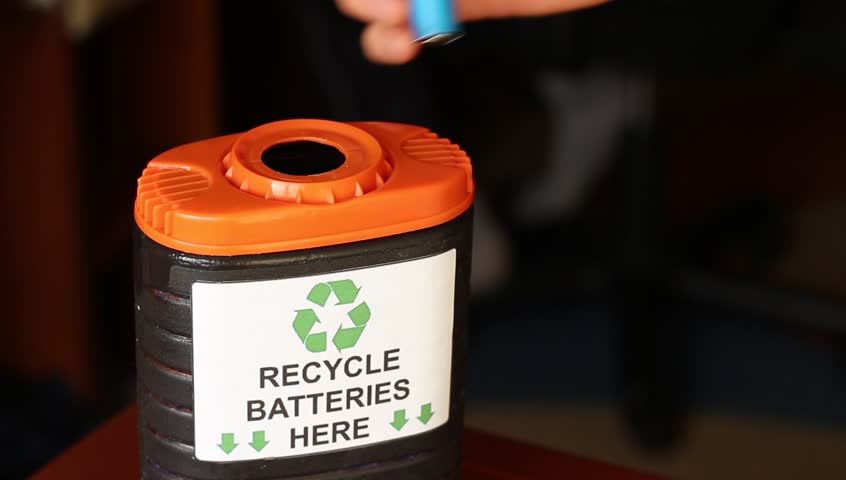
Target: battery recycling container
{"x":301,"y":304}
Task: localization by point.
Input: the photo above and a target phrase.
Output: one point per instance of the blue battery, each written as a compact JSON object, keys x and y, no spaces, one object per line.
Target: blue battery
{"x":434,"y":22}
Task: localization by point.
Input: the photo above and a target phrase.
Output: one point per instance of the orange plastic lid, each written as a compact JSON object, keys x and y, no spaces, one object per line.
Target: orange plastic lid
{"x":221,"y":197}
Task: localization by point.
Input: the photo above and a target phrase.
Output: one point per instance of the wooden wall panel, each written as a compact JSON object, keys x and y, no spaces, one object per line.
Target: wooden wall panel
{"x":44,"y":327}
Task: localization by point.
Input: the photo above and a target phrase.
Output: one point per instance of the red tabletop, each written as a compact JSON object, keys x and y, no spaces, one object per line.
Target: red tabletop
{"x":111,"y":452}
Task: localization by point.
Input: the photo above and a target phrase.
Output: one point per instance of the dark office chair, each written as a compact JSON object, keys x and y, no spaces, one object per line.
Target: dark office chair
{"x":638,"y":270}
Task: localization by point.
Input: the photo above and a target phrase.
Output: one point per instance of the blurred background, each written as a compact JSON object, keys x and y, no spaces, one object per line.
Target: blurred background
{"x":660,"y":254}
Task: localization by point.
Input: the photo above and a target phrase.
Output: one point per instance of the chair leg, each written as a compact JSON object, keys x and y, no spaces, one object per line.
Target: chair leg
{"x":650,"y":332}
{"x":651,"y":362}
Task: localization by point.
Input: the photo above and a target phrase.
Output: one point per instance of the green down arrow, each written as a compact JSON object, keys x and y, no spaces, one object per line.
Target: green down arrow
{"x":227,"y":442}
{"x":426,"y":413}
{"x":399,"y":420}
{"x":258,"y":442}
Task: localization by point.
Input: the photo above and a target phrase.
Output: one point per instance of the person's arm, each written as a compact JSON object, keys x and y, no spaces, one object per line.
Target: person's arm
{"x":388,"y":37}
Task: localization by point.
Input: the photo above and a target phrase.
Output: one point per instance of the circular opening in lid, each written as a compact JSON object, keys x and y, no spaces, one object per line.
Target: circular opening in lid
{"x":302,"y":158}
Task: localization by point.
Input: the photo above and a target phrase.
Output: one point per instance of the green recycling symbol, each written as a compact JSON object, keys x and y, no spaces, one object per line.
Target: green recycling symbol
{"x":305,"y":323}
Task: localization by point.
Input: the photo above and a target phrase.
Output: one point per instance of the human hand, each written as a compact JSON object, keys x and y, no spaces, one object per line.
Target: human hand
{"x":388,"y":37}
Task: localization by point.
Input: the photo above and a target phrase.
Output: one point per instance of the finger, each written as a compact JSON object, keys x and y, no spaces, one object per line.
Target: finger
{"x":389,"y":44}
{"x":391,"y":12}
{"x":483,"y":9}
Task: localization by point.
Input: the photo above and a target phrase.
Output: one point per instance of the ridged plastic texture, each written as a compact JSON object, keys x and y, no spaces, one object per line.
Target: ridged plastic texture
{"x":163,"y":190}
{"x":430,"y":148}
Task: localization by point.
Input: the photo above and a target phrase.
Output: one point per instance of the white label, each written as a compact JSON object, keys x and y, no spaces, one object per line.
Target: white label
{"x":329,"y":362}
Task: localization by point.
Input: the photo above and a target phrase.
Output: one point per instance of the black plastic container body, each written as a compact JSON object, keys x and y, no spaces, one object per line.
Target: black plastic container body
{"x":164,"y":353}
